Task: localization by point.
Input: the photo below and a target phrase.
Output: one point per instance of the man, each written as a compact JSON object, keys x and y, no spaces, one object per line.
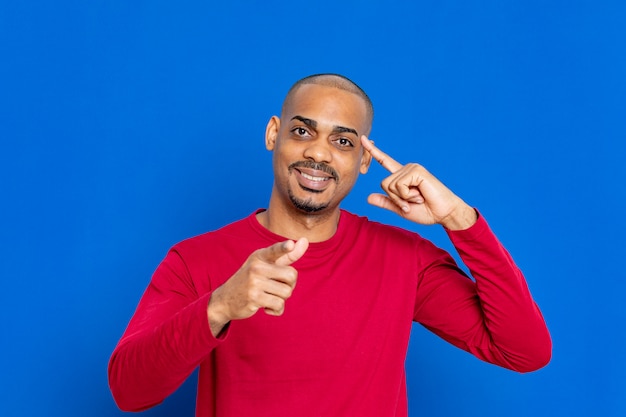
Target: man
{"x":338,"y":293}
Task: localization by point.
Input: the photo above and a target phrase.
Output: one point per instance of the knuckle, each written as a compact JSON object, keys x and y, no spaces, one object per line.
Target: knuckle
{"x":254,"y":282}
{"x":255,"y":267}
{"x":253,"y":293}
{"x":292,"y":276}
{"x":286,"y":292}
{"x":415,"y":166}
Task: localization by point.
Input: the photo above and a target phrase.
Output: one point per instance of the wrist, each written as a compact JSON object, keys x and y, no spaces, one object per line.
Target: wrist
{"x":216,"y":315}
{"x":461,"y":218}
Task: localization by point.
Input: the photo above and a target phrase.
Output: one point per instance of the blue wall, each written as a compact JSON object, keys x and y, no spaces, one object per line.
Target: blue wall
{"x":128,"y":126}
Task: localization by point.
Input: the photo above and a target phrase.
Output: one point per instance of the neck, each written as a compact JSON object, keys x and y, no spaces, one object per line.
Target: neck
{"x":292,"y":223}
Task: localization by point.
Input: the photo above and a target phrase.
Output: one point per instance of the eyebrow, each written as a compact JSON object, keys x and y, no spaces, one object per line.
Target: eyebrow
{"x":336,"y":129}
{"x":308,"y":122}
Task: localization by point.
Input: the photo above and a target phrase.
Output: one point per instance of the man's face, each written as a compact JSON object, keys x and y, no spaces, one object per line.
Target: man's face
{"x":317,"y":148}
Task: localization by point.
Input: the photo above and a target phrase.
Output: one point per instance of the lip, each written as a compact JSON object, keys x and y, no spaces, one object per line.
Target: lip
{"x":313,"y":179}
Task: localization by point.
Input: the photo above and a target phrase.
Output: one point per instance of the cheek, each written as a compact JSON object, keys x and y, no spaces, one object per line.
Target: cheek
{"x":351,"y":170}
{"x":287,"y":151}
{"x":279,"y":155}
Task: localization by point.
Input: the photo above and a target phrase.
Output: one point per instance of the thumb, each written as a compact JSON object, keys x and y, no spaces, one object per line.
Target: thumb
{"x":382,"y":201}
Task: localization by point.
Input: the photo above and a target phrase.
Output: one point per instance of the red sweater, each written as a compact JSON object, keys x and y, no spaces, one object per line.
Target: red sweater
{"x":339,"y":349}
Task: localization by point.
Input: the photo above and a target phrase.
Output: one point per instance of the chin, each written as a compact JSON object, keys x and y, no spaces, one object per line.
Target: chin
{"x":308,"y":205}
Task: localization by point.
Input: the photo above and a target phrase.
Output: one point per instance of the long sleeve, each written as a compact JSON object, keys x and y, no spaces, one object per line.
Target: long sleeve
{"x":495,"y":317}
{"x":165,"y":341}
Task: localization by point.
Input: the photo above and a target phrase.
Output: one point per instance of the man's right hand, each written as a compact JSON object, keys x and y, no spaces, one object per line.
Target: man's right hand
{"x":265,"y":281}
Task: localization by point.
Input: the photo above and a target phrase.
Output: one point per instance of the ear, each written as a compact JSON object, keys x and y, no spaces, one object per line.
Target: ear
{"x":366,"y":160}
{"x":271,"y":133}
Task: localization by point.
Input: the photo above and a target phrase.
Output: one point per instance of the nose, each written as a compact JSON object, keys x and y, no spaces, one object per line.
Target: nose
{"x":318,"y":151}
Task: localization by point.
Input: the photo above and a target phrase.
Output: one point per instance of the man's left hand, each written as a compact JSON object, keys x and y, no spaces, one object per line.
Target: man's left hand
{"x":415,"y":194}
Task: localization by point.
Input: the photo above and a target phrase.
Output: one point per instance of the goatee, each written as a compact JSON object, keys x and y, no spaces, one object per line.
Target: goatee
{"x":307,"y":206}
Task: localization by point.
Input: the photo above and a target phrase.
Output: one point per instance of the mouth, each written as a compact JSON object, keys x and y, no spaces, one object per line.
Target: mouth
{"x":313,"y":177}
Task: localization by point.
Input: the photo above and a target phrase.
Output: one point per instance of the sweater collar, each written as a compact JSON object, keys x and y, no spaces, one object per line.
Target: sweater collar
{"x":316,"y":249}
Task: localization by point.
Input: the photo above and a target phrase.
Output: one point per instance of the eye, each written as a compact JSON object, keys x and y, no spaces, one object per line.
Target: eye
{"x":344,"y":143}
{"x":300,"y":131}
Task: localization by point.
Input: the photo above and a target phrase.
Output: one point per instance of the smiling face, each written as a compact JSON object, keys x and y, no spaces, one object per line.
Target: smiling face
{"x":317,"y":152}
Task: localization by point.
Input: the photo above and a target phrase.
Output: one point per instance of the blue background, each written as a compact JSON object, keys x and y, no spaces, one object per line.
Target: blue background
{"x":128,"y":126}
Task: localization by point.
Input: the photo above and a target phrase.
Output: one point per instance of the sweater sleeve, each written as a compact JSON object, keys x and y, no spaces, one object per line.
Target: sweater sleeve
{"x":494,"y":317}
{"x":166,"y":339}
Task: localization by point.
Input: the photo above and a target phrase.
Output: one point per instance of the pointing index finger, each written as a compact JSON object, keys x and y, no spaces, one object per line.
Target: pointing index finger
{"x":382,"y":158}
{"x":272,"y":253}
{"x":284,"y":253}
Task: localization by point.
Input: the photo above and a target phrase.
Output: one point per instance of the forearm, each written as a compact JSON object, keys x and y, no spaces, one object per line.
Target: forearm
{"x":517,"y":336}
{"x":154,"y":357}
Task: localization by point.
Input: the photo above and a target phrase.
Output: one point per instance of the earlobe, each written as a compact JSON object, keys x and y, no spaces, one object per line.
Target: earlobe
{"x":271,"y":133}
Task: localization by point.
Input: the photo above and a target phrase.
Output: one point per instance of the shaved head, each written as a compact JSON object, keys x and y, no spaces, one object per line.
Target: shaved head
{"x":335,"y":81}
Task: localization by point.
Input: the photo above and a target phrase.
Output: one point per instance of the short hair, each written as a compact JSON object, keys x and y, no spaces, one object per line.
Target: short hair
{"x":332,"y":80}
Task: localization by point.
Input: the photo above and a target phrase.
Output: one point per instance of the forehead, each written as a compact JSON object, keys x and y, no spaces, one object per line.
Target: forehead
{"x":330,"y":105}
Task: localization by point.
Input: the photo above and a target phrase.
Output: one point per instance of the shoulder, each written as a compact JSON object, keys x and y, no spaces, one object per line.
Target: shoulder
{"x":375,"y":241}
{"x":209,"y":240}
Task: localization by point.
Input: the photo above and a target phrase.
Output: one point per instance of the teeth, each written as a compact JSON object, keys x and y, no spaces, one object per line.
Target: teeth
{"x":312,"y":178}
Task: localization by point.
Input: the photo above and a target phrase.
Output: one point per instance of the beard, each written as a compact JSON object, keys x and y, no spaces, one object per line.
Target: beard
{"x":306,"y":205}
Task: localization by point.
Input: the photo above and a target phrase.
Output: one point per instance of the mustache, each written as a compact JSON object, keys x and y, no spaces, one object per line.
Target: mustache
{"x":318,"y":166}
